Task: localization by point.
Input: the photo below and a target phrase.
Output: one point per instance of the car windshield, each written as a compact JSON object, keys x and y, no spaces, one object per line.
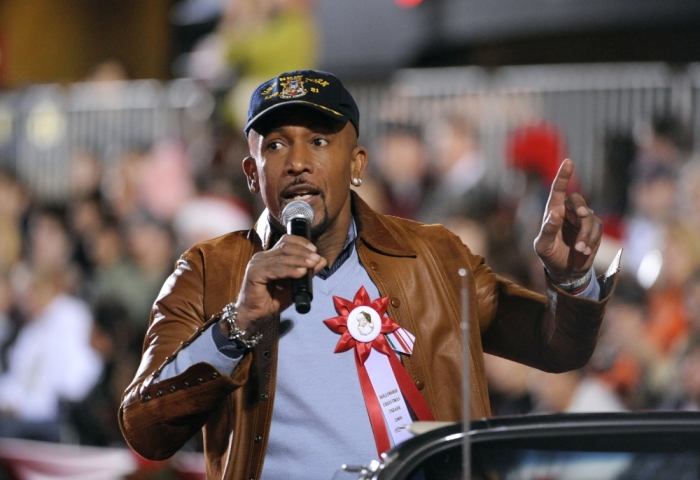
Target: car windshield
{"x":505,"y":463}
{"x":521,"y":464}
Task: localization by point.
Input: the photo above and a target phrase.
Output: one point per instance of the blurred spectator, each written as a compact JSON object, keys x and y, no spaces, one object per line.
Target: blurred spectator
{"x":50,"y":362}
{"x":688,"y":199}
{"x":663,"y":141}
{"x":208,"y":216}
{"x":85,"y":174}
{"x":122,"y":183}
{"x":537,"y":148}
{"x":151,"y":245}
{"x":687,"y":396}
{"x":692,"y":301}
{"x":473,"y":233}
{"x":263,"y":38}
{"x":654,"y":193}
{"x":648,"y":332}
{"x":112,"y":336}
{"x":461,"y":186}
{"x":509,"y":386}
{"x":401,"y":161}
{"x":86,"y":220}
{"x":662,"y":151}
{"x":690,"y":375}
{"x":10,"y":322}
{"x":620,"y":151}
{"x":623,"y":352}
{"x":680,"y":257}
{"x":115,"y":276}
{"x":169,"y":165}
{"x":573,"y":392}
{"x":50,"y":248}
{"x":14,"y":203}
{"x":110,"y":70}
{"x":374,"y":194}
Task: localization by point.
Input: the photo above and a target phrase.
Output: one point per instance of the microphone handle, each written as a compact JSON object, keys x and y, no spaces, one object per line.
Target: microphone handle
{"x":302,"y":288}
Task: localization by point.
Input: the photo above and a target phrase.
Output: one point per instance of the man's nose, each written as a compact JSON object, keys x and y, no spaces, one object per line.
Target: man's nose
{"x":298,"y":160}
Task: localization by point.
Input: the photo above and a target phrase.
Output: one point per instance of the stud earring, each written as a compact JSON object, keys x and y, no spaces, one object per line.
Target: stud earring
{"x":357,"y":182}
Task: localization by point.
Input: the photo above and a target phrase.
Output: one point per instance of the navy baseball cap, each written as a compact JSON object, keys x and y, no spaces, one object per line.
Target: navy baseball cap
{"x":320,"y":91}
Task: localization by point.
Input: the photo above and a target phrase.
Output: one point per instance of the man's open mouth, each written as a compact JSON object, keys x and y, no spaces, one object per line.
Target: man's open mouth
{"x":303,"y":192}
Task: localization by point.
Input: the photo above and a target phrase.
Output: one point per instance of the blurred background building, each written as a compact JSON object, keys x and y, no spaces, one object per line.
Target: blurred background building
{"x":121,"y":143}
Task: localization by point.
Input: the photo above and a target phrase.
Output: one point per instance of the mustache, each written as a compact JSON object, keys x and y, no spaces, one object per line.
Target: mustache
{"x":301,"y":182}
{"x":285,"y":193}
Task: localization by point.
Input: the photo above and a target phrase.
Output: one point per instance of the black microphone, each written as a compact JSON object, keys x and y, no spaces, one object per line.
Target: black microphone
{"x":298,"y":217}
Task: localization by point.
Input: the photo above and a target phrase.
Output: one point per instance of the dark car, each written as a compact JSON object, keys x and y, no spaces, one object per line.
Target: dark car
{"x":614,"y":446}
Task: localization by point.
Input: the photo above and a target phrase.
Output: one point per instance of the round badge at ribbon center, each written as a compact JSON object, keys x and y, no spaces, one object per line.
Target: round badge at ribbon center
{"x":364,"y":324}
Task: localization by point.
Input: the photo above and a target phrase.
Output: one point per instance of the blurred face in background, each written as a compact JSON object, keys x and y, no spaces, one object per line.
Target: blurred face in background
{"x":50,"y":245}
{"x":122,"y":183}
{"x":13,"y":198}
{"x":655,"y":198}
{"x":401,"y":159}
{"x":39,"y":292}
{"x":151,"y":246}
{"x":471,"y":232}
{"x":106,"y":248}
{"x":86,"y":174}
{"x":680,"y":254}
{"x":86,"y":217}
{"x":553,"y":391}
{"x":450,"y":142}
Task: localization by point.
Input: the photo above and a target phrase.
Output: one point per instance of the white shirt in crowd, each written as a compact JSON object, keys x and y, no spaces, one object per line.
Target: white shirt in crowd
{"x":51,"y":360}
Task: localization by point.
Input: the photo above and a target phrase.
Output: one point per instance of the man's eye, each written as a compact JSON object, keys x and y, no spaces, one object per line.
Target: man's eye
{"x":274,"y":145}
{"x":320,"y":142}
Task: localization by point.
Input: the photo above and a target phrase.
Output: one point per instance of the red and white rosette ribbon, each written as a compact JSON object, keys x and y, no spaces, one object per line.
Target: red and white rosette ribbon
{"x":363,"y":325}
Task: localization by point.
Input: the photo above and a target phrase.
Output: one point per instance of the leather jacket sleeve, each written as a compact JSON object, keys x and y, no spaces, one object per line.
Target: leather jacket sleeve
{"x":157,"y":418}
{"x":553,"y":333}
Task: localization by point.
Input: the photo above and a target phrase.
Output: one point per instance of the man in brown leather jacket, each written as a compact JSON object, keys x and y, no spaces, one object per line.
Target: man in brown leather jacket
{"x":302,"y":134}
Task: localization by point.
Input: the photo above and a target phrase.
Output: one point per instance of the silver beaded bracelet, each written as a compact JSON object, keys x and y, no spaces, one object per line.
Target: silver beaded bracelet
{"x":236,"y":334}
{"x":576,"y":284}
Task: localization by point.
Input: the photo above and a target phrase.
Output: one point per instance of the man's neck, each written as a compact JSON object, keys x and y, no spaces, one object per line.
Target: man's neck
{"x":332,"y":241}
{"x":328,"y":245}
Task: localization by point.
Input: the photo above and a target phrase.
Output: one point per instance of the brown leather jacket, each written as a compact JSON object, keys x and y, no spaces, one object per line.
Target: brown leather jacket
{"x":415,"y":265}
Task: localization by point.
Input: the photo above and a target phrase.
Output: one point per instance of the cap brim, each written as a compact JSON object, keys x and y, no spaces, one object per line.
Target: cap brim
{"x":334,"y":114}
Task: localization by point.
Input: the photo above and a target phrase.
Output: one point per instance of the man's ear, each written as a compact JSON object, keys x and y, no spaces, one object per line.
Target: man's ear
{"x":251,"y":172}
{"x":359,"y":162}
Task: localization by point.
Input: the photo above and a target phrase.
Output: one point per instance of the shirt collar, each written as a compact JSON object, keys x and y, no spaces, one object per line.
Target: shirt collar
{"x":369,"y":227}
{"x":344,"y":254}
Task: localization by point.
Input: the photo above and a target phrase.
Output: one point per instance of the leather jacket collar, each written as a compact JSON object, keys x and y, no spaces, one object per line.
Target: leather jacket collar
{"x":369,"y":228}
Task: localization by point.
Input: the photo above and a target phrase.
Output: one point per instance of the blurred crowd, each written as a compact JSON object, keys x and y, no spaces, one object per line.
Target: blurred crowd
{"x":78,"y":277}
{"x":79,"y":274}
{"x":77,"y":281}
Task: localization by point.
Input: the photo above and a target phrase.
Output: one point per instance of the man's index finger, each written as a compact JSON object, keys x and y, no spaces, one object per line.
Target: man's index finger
{"x":557,"y":195}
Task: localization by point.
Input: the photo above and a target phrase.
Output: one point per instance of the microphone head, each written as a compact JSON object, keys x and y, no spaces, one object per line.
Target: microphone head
{"x":297,"y":209}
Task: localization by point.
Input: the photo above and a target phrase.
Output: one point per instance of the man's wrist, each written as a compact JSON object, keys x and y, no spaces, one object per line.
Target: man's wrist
{"x":576,"y":286}
{"x":236,"y":334}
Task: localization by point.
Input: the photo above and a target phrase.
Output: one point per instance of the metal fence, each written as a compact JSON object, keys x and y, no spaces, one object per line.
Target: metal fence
{"x":588,"y":103}
{"x":40,"y":125}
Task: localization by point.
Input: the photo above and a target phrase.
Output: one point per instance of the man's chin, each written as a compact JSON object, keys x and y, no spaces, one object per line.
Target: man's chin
{"x":320,"y":227}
